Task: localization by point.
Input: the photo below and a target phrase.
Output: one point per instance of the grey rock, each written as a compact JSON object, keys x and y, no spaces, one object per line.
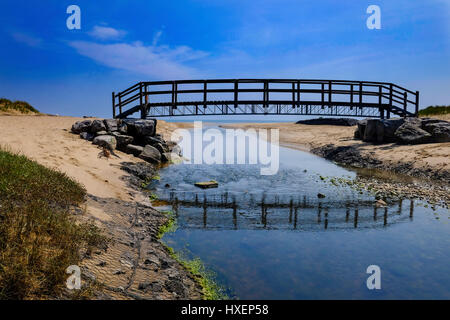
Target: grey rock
{"x":150,"y":154}
{"x":87,"y":136}
{"x":123,"y":140}
{"x":81,"y":126}
{"x":411,"y":133}
{"x":152,"y":140}
{"x":441,"y":134}
{"x":107,"y":141}
{"x":111,"y":124}
{"x":134,"y":150}
{"x":385,"y":129}
{"x":177,"y":150}
{"x":97,"y":125}
{"x":141,"y":128}
{"x":101,"y":133}
{"x":362,"y":124}
{"x":123,"y":129}
{"x":175,"y":286}
{"x":370,"y":132}
{"x":430,"y":126}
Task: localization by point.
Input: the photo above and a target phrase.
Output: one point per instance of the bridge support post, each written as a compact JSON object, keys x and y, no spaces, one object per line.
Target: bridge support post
{"x":114,"y":105}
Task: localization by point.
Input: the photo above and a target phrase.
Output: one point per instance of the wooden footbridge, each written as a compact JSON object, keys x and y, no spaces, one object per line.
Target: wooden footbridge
{"x":265,"y":96}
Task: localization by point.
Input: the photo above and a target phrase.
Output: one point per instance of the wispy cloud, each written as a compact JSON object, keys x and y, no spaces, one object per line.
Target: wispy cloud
{"x":26,"y":39}
{"x":156,"y":37}
{"x":106,"y":33}
{"x":160,"y":62}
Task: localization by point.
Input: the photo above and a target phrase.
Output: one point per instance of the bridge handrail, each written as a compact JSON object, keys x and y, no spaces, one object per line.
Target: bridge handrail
{"x":356,"y":91}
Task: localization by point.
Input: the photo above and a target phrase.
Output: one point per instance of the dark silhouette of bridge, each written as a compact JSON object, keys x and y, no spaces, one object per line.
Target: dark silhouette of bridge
{"x":265,"y":96}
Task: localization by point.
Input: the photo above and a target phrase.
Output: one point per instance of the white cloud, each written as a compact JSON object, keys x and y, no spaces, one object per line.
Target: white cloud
{"x":26,"y":39}
{"x":106,"y":33}
{"x":161,"y":62}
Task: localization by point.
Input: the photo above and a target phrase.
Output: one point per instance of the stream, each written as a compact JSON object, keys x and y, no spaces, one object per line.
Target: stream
{"x":272,"y":237}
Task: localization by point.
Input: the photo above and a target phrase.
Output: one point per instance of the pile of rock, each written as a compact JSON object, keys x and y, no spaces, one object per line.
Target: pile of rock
{"x":133,"y":136}
{"x":403,"y":130}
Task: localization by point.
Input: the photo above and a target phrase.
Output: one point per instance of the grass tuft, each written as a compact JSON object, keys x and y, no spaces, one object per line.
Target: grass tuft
{"x":20,"y":106}
{"x":39,"y":237}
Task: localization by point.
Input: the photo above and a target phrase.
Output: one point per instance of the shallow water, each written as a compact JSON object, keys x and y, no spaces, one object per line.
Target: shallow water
{"x":271,"y":237}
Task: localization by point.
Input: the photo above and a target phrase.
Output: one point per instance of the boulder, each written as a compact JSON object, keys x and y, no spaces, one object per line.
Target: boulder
{"x":411,"y":133}
{"x":123,"y":140}
{"x":171,"y":157}
{"x":134,"y":150}
{"x":141,"y":128}
{"x":87,"y":136}
{"x":385,"y":129}
{"x":81,"y":126}
{"x":441,"y":133}
{"x":97,"y":125}
{"x":370,"y":132}
{"x":152,"y":140}
{"x":111,"y":124}
{"x":150,"y":154}
{"x":430,"y":126}
{"x":361,"y":127}
{"x":177,"y":150}
{"x":107,"y":141}
{"x":123,"y":129}
{"x":101,"y":133}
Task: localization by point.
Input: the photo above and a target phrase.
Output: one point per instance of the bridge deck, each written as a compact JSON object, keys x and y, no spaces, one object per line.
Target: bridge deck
{"x":264,"y":96}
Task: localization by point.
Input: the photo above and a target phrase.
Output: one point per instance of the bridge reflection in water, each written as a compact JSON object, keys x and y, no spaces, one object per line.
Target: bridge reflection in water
{"x":276,"y":212}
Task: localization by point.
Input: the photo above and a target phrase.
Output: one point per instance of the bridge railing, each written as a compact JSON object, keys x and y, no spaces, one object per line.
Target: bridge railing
{"x":387,"y":97}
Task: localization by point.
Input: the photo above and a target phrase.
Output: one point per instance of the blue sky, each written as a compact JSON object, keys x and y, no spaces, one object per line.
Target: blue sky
{"x":73,"y":72}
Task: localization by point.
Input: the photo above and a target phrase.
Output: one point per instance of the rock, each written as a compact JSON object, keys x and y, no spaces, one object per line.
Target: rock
{"x":152,"y":140}
{"x":123,"y":140}
{"x":370,"y":133}
{"x":175,"y":286}
{"x":385,"y":129}
{"x":141,"y":128}
{"x":150,"y":154}
{"x":134,"y":150}
{"x":106,"y":141}
{"x":118,"y":272}
{"x":97,"y":125}
{"x":430,"y":126}
{"x":207,"y":184}
{"x":81,"y":126}
{"x":162,"y":148}
{"x":441,"y":134}
{"x":111,"y":124}
{"x":330,"y":121}
{"x":177,"y":150}
{"x":410,"y":133}
{"x":380,"y":203}
{"x":87,"y":136}
{"x":356,"y":134}
{"x":123,"y":129}
{"x":320,"y":195}
{"x":171,"y":157}
{"x":101,"y":133}
{"x":362,"y":124}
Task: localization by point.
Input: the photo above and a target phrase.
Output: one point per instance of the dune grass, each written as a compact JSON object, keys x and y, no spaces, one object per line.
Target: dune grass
{"x":20,"y":106}
{"x":39,"y":237}
{"x":434,"y":110}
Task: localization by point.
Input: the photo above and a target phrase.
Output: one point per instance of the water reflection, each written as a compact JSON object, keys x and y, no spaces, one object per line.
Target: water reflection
{"x":276,"y":212}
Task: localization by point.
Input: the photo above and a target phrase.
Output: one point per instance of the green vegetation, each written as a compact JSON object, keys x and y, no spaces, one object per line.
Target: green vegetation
{"x":169,"y":226}
{"x":434,"y":110}
{"x":39,"y":237}
{"x":20,"y":106}
{"x":211,"y":290}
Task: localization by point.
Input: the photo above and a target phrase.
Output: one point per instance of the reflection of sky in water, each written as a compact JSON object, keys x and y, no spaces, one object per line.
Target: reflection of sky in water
{"x":271,"y":237}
